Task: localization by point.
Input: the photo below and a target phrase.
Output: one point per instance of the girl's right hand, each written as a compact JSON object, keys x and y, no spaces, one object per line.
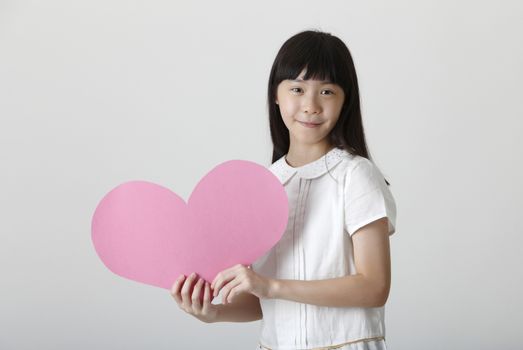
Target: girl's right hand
{"x":191,"y":303}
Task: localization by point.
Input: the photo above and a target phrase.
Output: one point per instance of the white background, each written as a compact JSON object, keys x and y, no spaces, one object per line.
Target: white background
{"x":96,"y":93}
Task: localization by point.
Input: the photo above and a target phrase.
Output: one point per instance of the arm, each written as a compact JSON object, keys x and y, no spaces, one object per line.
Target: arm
{"x":244,"y":308}
{"x":369,"y":287}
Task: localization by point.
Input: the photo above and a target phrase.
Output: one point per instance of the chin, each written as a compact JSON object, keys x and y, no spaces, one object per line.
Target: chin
{"x":306,"y":139}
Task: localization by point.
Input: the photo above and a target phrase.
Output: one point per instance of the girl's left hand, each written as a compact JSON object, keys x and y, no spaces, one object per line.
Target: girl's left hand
{"x":239,"y":279}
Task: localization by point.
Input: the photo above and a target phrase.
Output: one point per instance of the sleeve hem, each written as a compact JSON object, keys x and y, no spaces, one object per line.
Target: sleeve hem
{"x":355,"y":228}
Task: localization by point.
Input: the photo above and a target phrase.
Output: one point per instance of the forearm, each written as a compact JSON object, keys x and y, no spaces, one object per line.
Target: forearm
{"x":347,"y":291}
{"x":244,"y":310}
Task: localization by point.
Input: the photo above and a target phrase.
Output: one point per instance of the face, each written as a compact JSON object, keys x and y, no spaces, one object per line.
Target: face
{"x":309,"y":108}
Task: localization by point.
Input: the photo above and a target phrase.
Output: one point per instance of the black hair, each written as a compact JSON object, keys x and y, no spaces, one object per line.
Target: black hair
{"x":325,"y":57}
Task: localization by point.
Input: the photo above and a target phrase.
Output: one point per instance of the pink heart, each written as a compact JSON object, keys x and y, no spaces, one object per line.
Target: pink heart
{"x":147,"y":233}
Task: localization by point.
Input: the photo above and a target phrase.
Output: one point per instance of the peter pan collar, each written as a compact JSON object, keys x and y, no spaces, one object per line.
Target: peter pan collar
{"x":311,"y":170}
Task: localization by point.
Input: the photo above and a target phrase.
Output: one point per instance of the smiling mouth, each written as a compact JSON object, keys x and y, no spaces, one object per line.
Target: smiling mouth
{"x":309,"y":125}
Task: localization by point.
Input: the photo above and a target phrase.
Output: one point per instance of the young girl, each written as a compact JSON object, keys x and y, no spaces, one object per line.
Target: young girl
{"x":325,"y":283}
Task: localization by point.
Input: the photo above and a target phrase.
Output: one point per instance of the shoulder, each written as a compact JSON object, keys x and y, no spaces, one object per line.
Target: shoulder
{"x":359,"y":171}
{"x":350,"y":162}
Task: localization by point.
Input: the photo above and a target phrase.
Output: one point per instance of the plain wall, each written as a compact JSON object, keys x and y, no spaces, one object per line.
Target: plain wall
{"x":96,"y":93}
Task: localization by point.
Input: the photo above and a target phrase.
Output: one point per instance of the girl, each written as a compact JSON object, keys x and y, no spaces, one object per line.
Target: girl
{"x":325,"y":283}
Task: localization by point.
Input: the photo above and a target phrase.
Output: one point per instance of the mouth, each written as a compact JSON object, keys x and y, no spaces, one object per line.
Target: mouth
{"x":309,"y":125}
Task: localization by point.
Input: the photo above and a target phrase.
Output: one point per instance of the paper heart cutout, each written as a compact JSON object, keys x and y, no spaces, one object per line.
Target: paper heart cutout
{"x":147,"y":233}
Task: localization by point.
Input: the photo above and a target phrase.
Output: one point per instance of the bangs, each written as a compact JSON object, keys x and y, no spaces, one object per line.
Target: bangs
{"x":313,"y":55}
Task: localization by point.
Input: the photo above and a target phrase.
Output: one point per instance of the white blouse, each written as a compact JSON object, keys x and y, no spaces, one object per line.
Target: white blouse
{"x":329,"y":200}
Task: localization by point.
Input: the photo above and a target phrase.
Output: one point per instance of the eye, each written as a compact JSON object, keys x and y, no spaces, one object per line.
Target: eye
{"x":295,"y":88}
{"x":330,"y":92}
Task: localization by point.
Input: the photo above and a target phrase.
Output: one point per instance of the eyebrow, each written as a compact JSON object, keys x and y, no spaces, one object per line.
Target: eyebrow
{"x":301,"y":81}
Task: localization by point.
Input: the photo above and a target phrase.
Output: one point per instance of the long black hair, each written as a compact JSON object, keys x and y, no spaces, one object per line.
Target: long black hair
{"x":325,"y":57}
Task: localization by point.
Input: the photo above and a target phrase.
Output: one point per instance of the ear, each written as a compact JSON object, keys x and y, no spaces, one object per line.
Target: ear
{"x":276,"y":101}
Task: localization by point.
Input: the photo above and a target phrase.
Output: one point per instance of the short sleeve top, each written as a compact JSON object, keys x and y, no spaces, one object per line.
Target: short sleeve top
{"x":329,"y":200}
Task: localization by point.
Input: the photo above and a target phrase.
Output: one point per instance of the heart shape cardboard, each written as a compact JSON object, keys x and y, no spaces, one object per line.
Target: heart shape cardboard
{"x":147,"y":233}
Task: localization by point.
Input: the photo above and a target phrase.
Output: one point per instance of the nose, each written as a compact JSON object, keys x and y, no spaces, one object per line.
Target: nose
{"x":311,"y":105}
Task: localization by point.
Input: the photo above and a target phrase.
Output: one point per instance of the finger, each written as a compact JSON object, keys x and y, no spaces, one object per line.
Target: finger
{"x":206,"y":297}
{"x":227,"y":289}
{"x":186,"y":297}
{"x":240,"y":288}
{"x":228,"y":276}
{"x":176,"y":285}
{"x":175,"y":290}
{"x":223,"y":273}
{"x":219,"y":277}
{"x":222,"y":281}
{"x":196,"y":304}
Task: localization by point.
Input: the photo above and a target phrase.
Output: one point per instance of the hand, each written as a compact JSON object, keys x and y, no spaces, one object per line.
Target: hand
{"x":191,"y":303}
{"x":239,"y":279}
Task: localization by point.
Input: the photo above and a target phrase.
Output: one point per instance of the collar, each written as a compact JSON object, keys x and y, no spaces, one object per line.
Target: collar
{"x":311,"y":170}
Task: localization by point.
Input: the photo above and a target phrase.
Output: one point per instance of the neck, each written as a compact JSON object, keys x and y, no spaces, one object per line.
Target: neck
{"x":300,"y":154}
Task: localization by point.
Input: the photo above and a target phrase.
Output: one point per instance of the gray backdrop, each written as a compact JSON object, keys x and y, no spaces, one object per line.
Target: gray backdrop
{"x":95,"y":93}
